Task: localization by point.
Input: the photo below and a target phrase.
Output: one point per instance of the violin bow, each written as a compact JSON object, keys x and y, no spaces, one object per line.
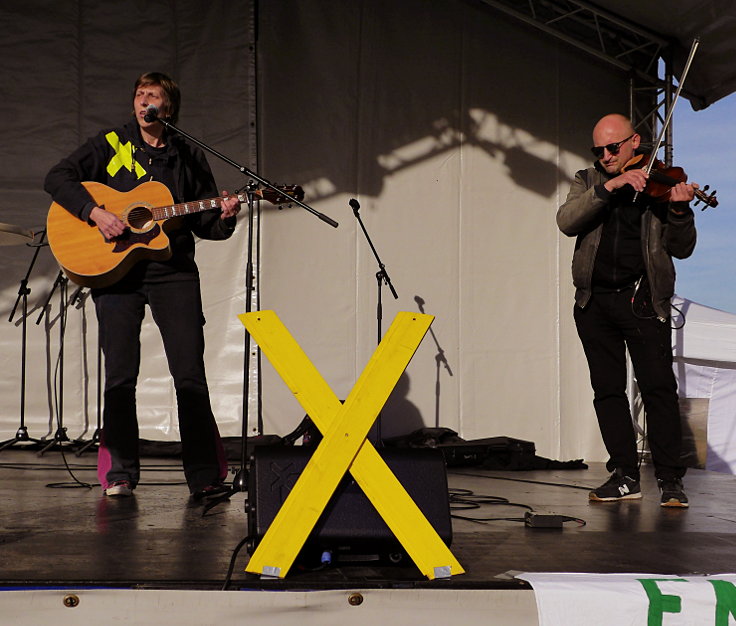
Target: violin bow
{"x":658,"y":144}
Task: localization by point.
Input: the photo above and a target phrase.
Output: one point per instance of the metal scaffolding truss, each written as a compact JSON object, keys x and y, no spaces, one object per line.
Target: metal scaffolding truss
{"x":634,"y":50}
{"x":594,"y":30}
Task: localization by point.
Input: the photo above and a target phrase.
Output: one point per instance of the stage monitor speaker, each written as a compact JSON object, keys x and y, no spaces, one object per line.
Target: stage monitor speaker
{"x":350,"y":528}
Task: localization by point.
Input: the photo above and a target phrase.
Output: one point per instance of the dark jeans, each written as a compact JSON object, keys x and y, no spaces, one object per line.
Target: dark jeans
{"x":177,"y":310}
{"x":606,"y":326}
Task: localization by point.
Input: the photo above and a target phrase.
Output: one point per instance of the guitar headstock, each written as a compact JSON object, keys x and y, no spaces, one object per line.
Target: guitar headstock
{"x":285,"y":194}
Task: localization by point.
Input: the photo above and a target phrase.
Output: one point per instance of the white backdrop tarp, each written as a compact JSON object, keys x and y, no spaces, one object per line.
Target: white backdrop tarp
{"x":458,"y":130}
{"x":705,"y":366}
{"x":69,"y":70}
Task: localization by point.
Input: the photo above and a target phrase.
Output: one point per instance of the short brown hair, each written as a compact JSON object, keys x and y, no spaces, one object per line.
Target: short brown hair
{"x":170,"y":92}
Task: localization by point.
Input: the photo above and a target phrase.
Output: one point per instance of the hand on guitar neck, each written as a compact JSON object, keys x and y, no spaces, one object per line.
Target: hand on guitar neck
{"x":230,"y":205}
{"x":111,"y":226}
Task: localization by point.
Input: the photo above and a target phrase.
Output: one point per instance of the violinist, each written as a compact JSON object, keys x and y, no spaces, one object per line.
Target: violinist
{"x":624,"y":278}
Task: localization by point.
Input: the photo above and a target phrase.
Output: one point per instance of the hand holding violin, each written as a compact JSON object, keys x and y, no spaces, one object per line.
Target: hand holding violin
{"x":683,"y":192}
{"x":637,"y":178}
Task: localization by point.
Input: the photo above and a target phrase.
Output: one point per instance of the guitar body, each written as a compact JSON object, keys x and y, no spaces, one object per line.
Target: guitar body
{"x":92,"y":261}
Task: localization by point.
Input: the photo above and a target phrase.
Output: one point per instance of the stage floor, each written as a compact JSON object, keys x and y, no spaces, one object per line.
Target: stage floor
{"x":54,"y":533}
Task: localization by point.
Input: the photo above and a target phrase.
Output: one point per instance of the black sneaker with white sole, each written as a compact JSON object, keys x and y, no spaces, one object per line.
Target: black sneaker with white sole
{"x":673,"y":495}
{"x":617,"y":487}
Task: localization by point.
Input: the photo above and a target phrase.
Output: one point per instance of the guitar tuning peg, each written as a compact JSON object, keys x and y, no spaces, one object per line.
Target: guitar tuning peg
{"x":706,"y":188}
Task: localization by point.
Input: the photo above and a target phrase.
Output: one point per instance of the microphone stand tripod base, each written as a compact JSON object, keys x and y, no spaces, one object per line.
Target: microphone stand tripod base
{"x":21,"y":436}
{"x":60,"y":437}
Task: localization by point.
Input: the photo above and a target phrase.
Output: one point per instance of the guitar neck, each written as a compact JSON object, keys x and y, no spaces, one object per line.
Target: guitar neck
{"x":187,"y":208}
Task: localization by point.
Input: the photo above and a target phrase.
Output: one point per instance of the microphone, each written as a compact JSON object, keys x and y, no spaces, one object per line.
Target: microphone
{"x":354,"y":203}
{"x":151,"y":113}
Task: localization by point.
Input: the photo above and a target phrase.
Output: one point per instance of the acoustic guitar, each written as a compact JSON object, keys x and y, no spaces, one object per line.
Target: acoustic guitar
{"x":149,"y":213}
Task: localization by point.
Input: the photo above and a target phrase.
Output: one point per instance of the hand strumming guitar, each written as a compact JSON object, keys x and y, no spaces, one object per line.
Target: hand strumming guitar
{"x":109,"y":224}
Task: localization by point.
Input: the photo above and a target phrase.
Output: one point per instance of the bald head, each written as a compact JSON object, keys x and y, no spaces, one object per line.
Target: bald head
{"x":613,"y":124}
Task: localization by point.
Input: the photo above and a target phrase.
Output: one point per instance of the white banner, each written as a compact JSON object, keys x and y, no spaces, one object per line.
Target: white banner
{"x":633,"y":599}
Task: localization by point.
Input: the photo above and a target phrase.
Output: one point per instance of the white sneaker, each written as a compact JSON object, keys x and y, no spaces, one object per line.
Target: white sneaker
{"x":120,"y":488}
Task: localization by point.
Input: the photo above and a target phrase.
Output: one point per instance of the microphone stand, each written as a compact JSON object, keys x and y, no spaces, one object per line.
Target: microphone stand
{"x":21,"y":434}
{"x":240,"y":481}
{"x":151,"y":117}
{"x":79,"y":297}
{"x":381,"y":278}
{"x":60,"y":435}
{"x":439,"y":359}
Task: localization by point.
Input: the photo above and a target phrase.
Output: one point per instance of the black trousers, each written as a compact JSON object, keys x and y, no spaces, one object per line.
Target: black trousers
{"x":606,"y":326}
{"x":177,"y":311}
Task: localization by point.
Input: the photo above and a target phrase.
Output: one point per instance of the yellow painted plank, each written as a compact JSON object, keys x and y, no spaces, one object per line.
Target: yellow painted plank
{"x":335,"y":453}
{"x":379,"y":484}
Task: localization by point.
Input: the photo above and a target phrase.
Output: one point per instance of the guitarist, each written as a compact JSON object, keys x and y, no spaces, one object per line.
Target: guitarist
{"x":123,"y":158}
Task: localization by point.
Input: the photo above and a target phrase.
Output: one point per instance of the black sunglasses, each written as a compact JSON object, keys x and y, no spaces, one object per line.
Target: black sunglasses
{"x":613,"y":148}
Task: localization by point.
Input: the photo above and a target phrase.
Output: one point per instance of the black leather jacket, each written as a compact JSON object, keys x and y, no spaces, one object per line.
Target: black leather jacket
{"x":664,"y":234}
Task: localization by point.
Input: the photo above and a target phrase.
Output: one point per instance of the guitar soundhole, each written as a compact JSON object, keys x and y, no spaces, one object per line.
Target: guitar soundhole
{"x":140,"y":219}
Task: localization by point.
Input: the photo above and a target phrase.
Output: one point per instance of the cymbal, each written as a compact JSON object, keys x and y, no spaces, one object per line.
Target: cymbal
{"x":11,"y":235}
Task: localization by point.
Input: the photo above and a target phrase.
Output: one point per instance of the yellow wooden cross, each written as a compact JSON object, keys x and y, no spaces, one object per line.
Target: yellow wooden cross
{"x":344,"y":447}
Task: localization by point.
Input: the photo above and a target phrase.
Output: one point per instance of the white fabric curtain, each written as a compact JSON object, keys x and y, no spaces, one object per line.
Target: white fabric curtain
{"x":457,"y":129}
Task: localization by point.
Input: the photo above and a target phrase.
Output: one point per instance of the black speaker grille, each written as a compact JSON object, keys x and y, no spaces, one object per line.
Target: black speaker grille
{"x":349,"y":522}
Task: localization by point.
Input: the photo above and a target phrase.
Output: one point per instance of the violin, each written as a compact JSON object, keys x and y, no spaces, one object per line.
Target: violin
{"x":662,"y":179}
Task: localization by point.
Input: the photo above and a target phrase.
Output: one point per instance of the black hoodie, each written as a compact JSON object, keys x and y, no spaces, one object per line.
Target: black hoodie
{"x":119,"y":158}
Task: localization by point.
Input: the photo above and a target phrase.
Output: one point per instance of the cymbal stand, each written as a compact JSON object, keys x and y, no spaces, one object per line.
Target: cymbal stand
{"x":21,"y":435}
{"x":60,"y":437}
